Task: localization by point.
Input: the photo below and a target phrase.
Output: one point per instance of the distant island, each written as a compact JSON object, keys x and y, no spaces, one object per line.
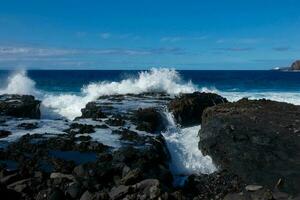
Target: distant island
{"x":294,"y":67}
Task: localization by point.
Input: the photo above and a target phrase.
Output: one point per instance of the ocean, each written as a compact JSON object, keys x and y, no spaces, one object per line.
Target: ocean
{"x":223,"y":80}
{"x":65,"y":93}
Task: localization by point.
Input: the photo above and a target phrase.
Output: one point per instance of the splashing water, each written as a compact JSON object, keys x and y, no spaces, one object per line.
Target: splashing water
{"x":155,"y":80}
{"x":186,"y":158}
{"x":19,"y":83}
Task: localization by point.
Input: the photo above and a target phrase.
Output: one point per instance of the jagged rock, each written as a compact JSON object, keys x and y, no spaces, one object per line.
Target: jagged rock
{"x":116,"y":121}
{"x":20,"y":106}
{"x":148,"y":189}
{"x":263,"y":194}
{"x":28,"y":126}
{"x":77,"y":128}
{"x":131,"y":177}
{"x":80,"y":171}
{"x":212,"y":186}
{"x":92,"y":110}
{"x":119,"y":192}
{"x":255,"y":139}
{"x":21,"y":185}
{"x":149,"y":120}
{"x":188,"y":108}
{"x":74,"y":190}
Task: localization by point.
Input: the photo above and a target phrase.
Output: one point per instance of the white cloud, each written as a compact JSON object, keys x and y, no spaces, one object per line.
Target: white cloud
{"x":181,"y":38}
{"x":239,"y":40}
{"x":36,"y":53}
{"x":105,"y":35}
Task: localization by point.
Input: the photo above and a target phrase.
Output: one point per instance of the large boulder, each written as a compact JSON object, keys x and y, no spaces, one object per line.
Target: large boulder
{"x":149,"y":120}
{"x":92,"y":110}
{"x":188,"y":108}
{"x":296,"y":65}
{"x":20,"y":106}
{"x":259,"y":140}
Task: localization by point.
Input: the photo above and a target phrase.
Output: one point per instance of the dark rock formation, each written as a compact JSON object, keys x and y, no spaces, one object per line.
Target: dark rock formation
{"x":255,"y":139}
{"x":296,"y":65}
{"x":187,"y":108}
{"x":4,"y":133}
{"x":92,"y":110}
{"x":28,"y":126}
{"x":19,"y":106}
{"x":212,"y":186}
{"x":149,"y":120}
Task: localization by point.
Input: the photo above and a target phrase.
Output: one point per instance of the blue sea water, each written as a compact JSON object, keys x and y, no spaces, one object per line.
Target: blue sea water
{"x":66,"y":92}
{"x":227,"y":80}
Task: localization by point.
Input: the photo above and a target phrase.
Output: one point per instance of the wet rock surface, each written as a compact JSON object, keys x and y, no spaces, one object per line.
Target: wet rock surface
{"x":188,"y":108}
{"x":19,"y":106}
{"x":4,"y":133}
{"x":149,"y":120}
{"x":115,"y":150}
{"x":92,"y":110}
{"x":259,"y":140}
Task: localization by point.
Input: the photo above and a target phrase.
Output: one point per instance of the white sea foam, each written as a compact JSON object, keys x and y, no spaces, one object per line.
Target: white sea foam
{"x":187,"y":159}
{"x":46,"y":127}
{"x":155,"y":80}
{"x":19,"y":83}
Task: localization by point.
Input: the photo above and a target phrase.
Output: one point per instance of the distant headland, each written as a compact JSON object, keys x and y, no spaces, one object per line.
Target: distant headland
{"x":294,"y":67}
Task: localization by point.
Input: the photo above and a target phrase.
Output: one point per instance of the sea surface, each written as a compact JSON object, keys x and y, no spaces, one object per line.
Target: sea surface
{"x":222,"y":80}
{"x":65,"y":93}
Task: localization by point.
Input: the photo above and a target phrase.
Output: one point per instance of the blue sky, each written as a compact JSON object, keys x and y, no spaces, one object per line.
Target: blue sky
{"x":139,"y":34}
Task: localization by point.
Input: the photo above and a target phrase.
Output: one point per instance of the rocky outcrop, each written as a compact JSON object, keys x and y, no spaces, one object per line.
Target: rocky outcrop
{"x":212,"y":186}
{"x":187,"y":108}
{"x":92,"y":110}
{"x":296,"y":65}
{"x":149,"y":120}
{"x":255,"y":139}
{"x":4,"y":133}
{"x":20,"y":106}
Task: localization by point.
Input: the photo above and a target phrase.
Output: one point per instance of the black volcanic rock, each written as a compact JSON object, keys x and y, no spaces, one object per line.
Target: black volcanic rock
{"x":259,"y":140}
{"x":149,"y":120}
{"x":4,"y":133}
{"x":210,"y":186}
{"x":92,"y":110}
{"x":20,"y":106}
{"x":187,"y":108}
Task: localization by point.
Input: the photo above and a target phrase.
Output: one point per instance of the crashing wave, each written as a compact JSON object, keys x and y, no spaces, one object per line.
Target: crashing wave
{"x":154,"y":80}
{"x":19,"y":83}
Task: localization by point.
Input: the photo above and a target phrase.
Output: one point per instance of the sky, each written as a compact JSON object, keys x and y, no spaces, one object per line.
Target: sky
{"x":140,"y":34}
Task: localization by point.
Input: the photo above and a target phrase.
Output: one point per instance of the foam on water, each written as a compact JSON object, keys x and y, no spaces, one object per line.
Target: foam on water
{"x":155,"y":80}
{"x":105,"y":136}
{"x":186,"y":158}
{"x":50,"y":127}
{"x":289,"y":97}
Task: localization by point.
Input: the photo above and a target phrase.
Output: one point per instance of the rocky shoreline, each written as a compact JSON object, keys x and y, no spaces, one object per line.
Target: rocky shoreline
{"x":116,"y":150}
